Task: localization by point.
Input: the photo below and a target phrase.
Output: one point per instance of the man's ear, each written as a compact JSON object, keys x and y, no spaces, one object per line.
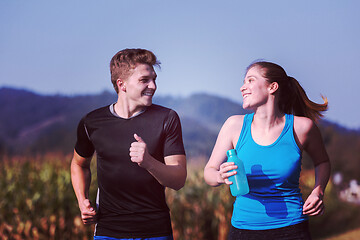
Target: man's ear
{"x":121,"y":85}
{"x":273,"y":87}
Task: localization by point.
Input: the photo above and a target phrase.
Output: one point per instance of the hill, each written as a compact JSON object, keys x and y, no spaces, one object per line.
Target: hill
{"x":31,"y":123}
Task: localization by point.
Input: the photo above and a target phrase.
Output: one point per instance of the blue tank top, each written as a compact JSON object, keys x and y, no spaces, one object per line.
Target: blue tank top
{"x":273,"y":173}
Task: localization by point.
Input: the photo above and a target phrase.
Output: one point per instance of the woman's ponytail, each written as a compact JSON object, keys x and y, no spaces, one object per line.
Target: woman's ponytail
{"x":301,"y":105}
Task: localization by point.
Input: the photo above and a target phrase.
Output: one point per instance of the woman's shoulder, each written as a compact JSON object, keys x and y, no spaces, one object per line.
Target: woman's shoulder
{"x":234,"y":122}
{"x":303,"y":124}
{"x":304,"y":128}
{"x":231,"y":130}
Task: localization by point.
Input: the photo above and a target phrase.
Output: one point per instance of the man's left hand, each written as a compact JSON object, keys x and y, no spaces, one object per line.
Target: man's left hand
{"x":139,"y":153}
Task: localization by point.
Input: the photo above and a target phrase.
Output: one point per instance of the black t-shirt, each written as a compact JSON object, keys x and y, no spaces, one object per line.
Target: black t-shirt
{"x":131,"y":201}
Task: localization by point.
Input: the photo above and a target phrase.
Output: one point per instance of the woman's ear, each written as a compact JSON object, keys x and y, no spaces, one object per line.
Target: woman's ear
{"x":273,"y":87}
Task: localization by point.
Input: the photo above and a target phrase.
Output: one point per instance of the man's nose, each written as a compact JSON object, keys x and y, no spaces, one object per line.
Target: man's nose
{"x":152,"y":84}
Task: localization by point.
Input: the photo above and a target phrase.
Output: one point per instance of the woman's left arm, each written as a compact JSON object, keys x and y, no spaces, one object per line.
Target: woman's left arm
{"x":314,"y":146}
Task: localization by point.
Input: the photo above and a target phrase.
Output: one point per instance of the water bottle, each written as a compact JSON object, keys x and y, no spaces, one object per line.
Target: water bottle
{"x":239,"y":181}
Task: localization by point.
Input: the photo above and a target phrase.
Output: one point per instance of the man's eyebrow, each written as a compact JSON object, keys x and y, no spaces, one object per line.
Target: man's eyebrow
{"x":149,"y":76}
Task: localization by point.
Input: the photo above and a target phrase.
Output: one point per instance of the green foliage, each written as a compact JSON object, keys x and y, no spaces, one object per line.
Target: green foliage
{"x":37,"y":202}
{"x":199,"y":211}
{"x":343,"y":147}
{"x":339,"y":216}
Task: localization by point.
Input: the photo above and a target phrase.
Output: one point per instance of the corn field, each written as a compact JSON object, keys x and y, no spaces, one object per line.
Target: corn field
{"x":37,"y":202}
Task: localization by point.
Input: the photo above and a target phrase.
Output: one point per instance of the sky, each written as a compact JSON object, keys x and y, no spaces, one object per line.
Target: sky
{"x":64,"y":47}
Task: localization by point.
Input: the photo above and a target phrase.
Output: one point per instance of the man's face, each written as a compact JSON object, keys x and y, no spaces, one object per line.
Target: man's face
{"x":140,"y":86}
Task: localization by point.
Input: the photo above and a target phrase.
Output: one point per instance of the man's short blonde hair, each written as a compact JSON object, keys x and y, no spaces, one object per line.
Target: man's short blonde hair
{"x":123,"y":62}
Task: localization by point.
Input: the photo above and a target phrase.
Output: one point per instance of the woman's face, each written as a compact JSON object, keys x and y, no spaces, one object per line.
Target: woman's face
{"x":255,"y":90}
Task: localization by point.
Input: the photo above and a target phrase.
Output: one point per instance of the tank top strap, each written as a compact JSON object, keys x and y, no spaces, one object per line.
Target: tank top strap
{"x":245,"y":130}
{"x":289,"y":122}
{"x":288,"y":132}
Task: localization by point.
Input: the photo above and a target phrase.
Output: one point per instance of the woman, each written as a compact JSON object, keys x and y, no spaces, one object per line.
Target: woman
{"x":270,"y":142}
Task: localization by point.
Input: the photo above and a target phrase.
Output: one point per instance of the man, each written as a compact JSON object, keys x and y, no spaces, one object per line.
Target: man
{"x":139,"y":152}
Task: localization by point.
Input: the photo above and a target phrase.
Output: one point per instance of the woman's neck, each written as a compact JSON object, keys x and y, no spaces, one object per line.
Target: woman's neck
{"x":266,"y":118}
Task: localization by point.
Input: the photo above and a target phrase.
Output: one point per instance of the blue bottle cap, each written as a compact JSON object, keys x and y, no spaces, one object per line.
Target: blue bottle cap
{"x":231,"y":152}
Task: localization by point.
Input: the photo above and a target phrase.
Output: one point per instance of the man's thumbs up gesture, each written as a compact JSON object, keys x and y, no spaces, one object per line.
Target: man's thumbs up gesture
{"x":139,"y":153}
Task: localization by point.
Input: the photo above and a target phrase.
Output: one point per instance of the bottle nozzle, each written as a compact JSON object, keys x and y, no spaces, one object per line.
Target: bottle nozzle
{"x":231,"y":152}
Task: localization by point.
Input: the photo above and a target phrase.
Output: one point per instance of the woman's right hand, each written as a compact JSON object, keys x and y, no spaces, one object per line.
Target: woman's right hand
{"x":224,"y":174}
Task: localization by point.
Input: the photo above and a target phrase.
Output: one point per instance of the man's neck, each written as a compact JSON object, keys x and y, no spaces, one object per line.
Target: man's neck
{"x":126,"y":111}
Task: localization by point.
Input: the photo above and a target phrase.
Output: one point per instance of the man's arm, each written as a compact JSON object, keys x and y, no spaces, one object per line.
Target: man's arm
{"x":172,"y":174}
{"x":81,"y":179}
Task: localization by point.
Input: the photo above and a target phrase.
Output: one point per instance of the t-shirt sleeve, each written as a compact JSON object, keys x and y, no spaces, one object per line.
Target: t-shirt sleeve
{"x":173,"y":143}
{"x":83,"y":146}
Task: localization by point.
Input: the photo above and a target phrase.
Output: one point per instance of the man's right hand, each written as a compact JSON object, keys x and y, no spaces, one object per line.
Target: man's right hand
{"x":88,"y":213}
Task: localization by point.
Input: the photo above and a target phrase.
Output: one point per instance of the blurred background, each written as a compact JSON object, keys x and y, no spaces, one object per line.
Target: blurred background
{"x":54,"y":68}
